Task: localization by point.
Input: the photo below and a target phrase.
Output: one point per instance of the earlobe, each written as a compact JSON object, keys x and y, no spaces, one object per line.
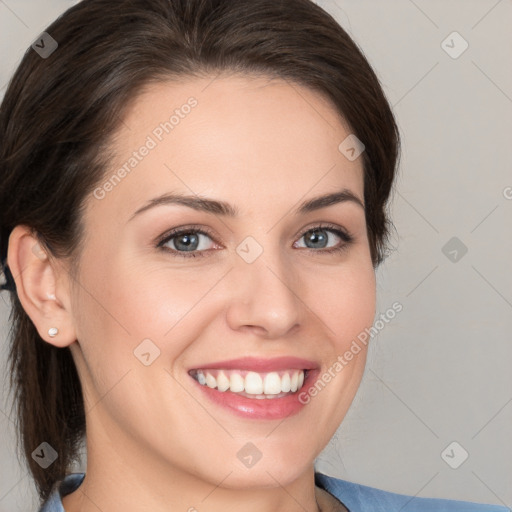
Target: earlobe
{"x":36,"y":276}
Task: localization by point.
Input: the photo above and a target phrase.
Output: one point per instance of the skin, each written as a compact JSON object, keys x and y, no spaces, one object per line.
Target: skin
{"x":154,"y":441}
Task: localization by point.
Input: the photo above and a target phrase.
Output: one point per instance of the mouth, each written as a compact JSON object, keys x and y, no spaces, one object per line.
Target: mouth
{"x":252,"y":384}
{"x":256,"y":388}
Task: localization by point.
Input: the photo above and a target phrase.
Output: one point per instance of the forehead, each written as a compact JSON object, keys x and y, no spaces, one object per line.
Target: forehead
{"x":237,"y":138}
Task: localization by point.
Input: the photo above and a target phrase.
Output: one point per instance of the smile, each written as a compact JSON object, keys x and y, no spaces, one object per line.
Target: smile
{"x":255,"y":395}
{"x":252,"y":384}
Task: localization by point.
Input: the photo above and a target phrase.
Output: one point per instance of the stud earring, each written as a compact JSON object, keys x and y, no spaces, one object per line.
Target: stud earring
{"x":53,"y":331}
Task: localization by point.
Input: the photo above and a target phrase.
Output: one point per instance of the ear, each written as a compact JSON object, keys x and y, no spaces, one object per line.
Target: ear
{"x":42,"y":286}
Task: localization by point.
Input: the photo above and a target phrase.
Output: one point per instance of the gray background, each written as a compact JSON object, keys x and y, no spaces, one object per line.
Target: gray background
{"x":439,"y":372}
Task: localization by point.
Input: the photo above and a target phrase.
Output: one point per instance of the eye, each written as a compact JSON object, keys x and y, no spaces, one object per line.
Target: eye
{"x":181,"y":241}
{"x":186,"y":241}
{"x":317,"y":237}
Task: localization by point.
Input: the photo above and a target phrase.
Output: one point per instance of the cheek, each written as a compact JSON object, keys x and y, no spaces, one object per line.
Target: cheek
{"x":158,"y":302}
{"x":130,"y":303}
{"x":343,"y":296}
{"x":356,"y":303}
{"x":347,"y":310}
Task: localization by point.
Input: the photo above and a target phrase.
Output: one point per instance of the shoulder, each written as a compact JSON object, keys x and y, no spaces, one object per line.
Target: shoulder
{"x":69,"y":484}
{"x":361,"y":498}
{"x":356,"y":497}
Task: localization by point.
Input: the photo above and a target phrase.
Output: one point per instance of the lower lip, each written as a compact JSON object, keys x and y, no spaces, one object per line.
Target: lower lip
{"x":265,"y":408}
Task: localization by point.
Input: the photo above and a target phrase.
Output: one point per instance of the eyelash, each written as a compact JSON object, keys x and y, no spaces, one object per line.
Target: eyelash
{"x":345,"y":236}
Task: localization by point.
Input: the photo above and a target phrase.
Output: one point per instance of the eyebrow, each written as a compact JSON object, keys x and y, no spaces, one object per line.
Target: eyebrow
{"x":217,"y":207}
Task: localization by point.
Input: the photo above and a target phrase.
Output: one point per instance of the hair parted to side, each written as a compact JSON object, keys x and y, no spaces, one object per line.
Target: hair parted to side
{"x":59,"y":113}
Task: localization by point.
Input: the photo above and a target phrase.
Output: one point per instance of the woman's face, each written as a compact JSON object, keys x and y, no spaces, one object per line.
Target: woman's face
{"x":259,"y":283}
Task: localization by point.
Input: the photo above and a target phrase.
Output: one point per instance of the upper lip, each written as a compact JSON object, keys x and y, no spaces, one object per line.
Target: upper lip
{"x":262,"y":365}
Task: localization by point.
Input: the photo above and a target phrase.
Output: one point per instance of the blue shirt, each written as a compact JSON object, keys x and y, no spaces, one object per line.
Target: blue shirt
{"x":355,"y":497}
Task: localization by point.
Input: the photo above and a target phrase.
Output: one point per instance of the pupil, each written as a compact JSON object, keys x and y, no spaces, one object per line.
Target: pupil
{"x":317,"y":236}
{"x":189,"y":240}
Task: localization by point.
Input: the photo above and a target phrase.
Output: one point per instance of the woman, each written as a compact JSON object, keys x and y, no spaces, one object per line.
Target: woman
{"x":194,"y":199}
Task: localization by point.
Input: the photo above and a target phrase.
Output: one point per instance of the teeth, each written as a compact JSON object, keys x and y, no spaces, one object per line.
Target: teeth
{"x":301,"y":380}
{"x":286,"y":382}
{"x":201,"y":378}
{"x":293,"y":385}
{"x":222,"y":382}
{"x":252,"y":383}
{"x":236,"y":383}
{"x":272,"y":384}
{"x":211,"y":381}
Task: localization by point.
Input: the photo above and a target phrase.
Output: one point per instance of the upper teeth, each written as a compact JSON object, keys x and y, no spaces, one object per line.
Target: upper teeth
{"x":255,"y":383}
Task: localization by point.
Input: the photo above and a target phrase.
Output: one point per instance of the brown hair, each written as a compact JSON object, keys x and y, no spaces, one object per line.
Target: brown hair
{"x":59,"y":112}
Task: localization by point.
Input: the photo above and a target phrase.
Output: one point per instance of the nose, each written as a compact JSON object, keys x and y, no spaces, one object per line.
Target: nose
{"x":266,"y":297}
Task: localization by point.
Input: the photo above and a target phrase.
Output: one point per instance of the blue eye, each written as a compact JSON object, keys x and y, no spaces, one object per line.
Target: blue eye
{"x":186,"y":242}
{"x":317,"y":235}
